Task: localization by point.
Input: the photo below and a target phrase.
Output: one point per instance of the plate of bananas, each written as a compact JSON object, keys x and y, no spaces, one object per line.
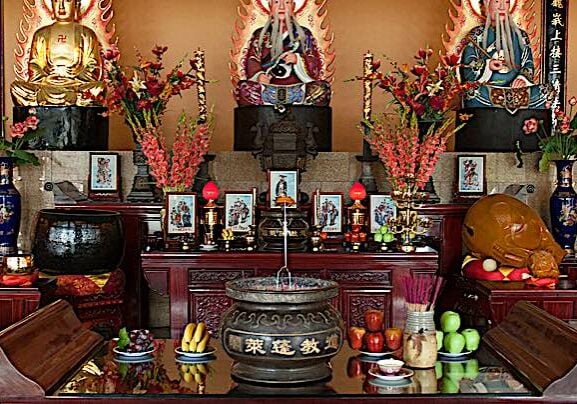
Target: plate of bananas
{"x":194,"y":343}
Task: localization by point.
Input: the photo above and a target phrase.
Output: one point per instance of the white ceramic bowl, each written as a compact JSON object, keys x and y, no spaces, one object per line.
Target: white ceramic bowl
{"x":390,"y":366}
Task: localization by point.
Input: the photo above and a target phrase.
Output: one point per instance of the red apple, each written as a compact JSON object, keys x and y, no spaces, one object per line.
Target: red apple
{"x":374,"y":320}
{"x":354,"y":368}
{"x":356,"y":335}
{"x":393,"y":338}
{"x":375,"y":342}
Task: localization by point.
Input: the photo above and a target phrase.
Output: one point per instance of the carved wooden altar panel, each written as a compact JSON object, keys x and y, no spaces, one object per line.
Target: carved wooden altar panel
{"x":17,"y":303}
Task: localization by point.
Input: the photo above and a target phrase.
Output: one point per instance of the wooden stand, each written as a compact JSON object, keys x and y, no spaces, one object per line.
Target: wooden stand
{"x":541,"y":347}
{"x":37,"y":353}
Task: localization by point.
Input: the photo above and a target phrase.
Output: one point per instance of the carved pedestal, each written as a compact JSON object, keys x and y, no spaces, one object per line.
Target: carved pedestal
{"x":68,"y":128}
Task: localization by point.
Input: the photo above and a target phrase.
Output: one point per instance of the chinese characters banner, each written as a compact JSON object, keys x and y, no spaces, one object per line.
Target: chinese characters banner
{"x":555,"y":30}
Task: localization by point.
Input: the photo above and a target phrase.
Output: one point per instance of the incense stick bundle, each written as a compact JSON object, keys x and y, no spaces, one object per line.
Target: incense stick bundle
{"x":421,"y":291}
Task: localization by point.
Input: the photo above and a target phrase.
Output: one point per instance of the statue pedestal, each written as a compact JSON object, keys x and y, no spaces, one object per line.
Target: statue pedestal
{"x":67,"y":128}
{"x":496,"y":130}
{"x":247,"y":117}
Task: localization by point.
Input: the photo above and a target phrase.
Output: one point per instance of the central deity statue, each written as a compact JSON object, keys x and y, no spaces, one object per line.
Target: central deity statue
{"x":498,"y":55}
{"x":283,"y":63}
{"x":64,"y":63}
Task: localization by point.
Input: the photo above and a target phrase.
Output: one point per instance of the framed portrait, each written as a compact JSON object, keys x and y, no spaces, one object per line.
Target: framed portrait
{"x":180,"y":215}
{"x":104,"y":176}
{"x":381,"y":208}
{"x":282,"y":183}
{"x":239,"y":211}
{"x":328,"y":211}
{"x":471,"y":183}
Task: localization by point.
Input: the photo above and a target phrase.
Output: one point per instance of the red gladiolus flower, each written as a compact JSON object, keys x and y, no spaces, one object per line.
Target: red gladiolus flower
{"x":437,"y":103}
{"x":451,"y":59}
{"x":530,"y":126}
{"x":143,"y":104}
{"x":154,"y":87}
{"x":419,"y":70}
{"x":111,"y":54}
{"x":158,"y":51}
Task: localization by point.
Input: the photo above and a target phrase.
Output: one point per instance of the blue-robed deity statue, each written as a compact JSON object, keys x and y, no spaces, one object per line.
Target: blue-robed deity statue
{"x":498,"y":55}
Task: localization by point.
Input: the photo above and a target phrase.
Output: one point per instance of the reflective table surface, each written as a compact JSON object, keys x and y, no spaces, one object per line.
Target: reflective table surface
{"x":166,"y":374}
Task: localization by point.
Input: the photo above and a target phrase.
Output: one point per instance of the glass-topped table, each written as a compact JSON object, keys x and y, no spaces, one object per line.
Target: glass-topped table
{"x":165,"y":374}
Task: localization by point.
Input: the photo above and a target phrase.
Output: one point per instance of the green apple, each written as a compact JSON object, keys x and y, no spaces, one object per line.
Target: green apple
{"x":378,"y":237}
{"x":439,"y":340}
{"x":471,"y":369}
{"x":450,"y":321}
{"x":384,"y":229}
{"x":448,"y":386}
{"x":454,"y":371}
{"x":454,"y":342}
{"x":438,"y":369}
{"x":472,"y":339}
{"x":388,"y":237}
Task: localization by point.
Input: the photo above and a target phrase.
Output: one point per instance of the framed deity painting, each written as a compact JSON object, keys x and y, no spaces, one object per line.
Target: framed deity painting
{"x":470,"y":183}
{"x":381,"y":208}
{"x":180,"y":214}
{"x":239,"y":211}
{"x":283,"y":183}
{"x":104,"y":177}
{"x":328,"y":211}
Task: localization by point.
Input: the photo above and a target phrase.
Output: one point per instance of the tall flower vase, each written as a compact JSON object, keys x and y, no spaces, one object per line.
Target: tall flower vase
{"x":563,"y":206}
{"x":429,"y":187}
{"x":10,"y":209}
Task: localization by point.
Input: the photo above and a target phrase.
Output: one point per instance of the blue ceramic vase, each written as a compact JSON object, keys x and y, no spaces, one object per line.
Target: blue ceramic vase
{"x":563,"y":206}
{"x":10,"y":209}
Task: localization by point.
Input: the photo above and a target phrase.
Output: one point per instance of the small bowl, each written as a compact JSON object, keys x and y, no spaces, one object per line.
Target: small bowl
{"x":390,"y":366}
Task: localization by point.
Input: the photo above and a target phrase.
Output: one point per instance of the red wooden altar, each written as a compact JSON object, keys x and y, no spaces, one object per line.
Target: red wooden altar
{"x":195,"y":282}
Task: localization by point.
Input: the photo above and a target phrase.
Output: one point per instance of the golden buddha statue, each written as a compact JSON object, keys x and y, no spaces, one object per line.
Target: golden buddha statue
{"x":64,"y":62}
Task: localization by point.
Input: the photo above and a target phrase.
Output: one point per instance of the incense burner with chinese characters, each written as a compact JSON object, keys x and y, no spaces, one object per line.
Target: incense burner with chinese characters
{"x":283,"y":330}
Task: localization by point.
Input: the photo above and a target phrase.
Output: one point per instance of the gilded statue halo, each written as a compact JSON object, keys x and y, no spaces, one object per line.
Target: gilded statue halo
{"x":95,"y":14}
{"x":466,"y":14}
{"x":253,"y":14}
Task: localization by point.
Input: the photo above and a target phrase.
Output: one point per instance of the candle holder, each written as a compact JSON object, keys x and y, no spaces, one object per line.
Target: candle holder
{"x":408,"y":224}
{"x":356,"y":236}
{"x":210,"y":215}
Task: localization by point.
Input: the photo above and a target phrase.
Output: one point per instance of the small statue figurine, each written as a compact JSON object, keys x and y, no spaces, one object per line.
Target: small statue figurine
{"x":508,"y":241}
{"x":498,"y":55}
{"x":64,"y":62}
{"x":282,"y":63}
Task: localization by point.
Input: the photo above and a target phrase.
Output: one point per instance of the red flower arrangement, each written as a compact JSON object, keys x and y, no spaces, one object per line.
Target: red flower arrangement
{"x":423,"y":90}
{"x":562,"y":143}
{"x":21,"y":133}
{"x":421,"y":94}
{"x":175,"y":171}
{"x":142,"y":101}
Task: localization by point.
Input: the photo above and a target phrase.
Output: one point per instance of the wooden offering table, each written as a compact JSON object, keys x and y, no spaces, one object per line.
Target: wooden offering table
{"x":48,"y":357}
{"x":195,"y":282}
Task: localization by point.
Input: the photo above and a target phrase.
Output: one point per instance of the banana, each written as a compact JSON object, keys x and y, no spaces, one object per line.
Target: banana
{"x":198,"y":378}
{"x":202,"y":368}
{"x":184,"y":368}
{"x":192,"y":346}
{"x":184,"y":346}
{"x":199,"y":332}
{"x":187,"y":377}
{"x":193,"y":369}
{"x":188,"y":332}
{"x":203,"y":343}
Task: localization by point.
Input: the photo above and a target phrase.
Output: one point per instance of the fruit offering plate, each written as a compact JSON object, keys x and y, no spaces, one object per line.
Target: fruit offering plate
{"x":133,"y":354}
{"x":390,"y":386}
{"x":404,"y":373}
{"x":454,"y":356}
{"x":195,"y":355}
{"x":375,"y":354}
{"x":133,"y":359}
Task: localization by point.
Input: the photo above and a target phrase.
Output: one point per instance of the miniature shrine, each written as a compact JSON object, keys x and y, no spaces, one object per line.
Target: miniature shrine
{"x":253,"y":200}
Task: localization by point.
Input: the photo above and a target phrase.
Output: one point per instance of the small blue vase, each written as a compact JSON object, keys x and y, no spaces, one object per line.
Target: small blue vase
{"x":10,"y":209}
{"x":563,"y":206}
